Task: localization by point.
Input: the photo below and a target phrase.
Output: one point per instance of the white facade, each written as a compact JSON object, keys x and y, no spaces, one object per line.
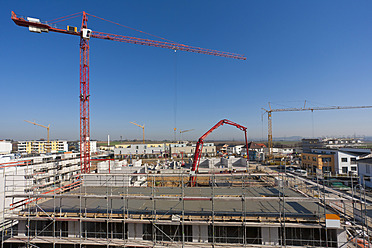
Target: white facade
{"x":5,"y":147}
{"x":93,"y":146}
{"x":139,"y":149}
{"x":188,"y":150}
{"x":235,"y":149}
{"x":281,"y":151}
{"x":341,"y":142}
{"x":345,"y":159}
{"x":365,"y":171}
{"x":228,"y":163}
{"x":160,"y":150}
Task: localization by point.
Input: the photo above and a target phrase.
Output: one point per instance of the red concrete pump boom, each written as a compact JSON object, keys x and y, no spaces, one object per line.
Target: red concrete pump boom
{"x":199,"y":147}
{"x":35,"y":25}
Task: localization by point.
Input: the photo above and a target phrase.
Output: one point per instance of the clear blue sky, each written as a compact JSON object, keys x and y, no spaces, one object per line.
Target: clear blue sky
{"x":316,"y":50}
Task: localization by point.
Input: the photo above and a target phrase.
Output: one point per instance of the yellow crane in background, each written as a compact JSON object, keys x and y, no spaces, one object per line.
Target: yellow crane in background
{"x":47,"y":127}
{"x":185,"y":131}
{"x":143,"y":130}
{"x":269,"y":122}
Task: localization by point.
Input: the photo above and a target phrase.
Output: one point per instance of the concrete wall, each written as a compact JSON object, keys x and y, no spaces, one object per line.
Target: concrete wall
{"x":189,"y":150}
{"x":138,"y":149}
{"x":200,"y":233}
{"x":135,"y":231}
{"x":210,"y":163}
{"x":73,"y":229}
{"x":270,"y":235}
{"x":341,"y":237}
{"x":229,"y":163}
{"x":5,"y":147}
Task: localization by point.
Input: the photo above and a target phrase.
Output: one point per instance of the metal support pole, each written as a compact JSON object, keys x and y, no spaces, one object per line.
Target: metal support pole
{"x":324,"y":204}
{"x":183,"y":211}
{"x":213,"y":234}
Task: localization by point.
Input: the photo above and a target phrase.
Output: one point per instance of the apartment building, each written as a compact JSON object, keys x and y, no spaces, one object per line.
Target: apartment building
{"x":341,"y":161}
{"x":280,"y":151}
{"x":256,"y":151}
{"x":234,"y":149}
{"x":41,"y":146}
{"x":188,"y":149}
{"x":341,"y":142}
{"x":323,"y":162}
{"x":141,"y":150}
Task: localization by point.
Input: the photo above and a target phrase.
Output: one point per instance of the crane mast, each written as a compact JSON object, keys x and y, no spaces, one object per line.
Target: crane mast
{"x":35,"y":25}
{"x":84,"y":97}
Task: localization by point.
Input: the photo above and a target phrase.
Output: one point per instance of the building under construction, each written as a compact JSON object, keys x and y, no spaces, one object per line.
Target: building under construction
{"x":245,"y":208}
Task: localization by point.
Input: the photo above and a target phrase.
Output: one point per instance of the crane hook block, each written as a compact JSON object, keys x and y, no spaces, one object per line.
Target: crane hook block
{"x":85,"y":33}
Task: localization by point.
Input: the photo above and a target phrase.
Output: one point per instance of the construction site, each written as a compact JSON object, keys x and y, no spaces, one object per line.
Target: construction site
{"x":92,"y":199}
{"x":248,"y":208}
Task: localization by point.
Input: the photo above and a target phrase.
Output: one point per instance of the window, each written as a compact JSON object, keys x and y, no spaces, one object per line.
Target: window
{"x":314,"y":159}
{"x":327,"y":168}
{"x":367,"y":169}
{"x":353,"y":168}
{"x":326,"y":160}
{"x":304,"y":157}
{"x":343,"y":159}
{"x":352,"y":160}
{"x":344,"y":170}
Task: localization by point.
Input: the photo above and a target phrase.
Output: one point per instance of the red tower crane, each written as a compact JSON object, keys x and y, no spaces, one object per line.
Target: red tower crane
{"x":199,"y":147}
{"x":35,"y":25}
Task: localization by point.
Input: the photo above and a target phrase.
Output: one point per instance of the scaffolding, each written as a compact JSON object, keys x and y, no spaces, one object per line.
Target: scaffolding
{"x":244,"y":209}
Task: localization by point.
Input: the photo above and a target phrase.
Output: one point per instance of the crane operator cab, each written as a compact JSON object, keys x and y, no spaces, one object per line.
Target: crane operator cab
{"x":85,"y":33}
